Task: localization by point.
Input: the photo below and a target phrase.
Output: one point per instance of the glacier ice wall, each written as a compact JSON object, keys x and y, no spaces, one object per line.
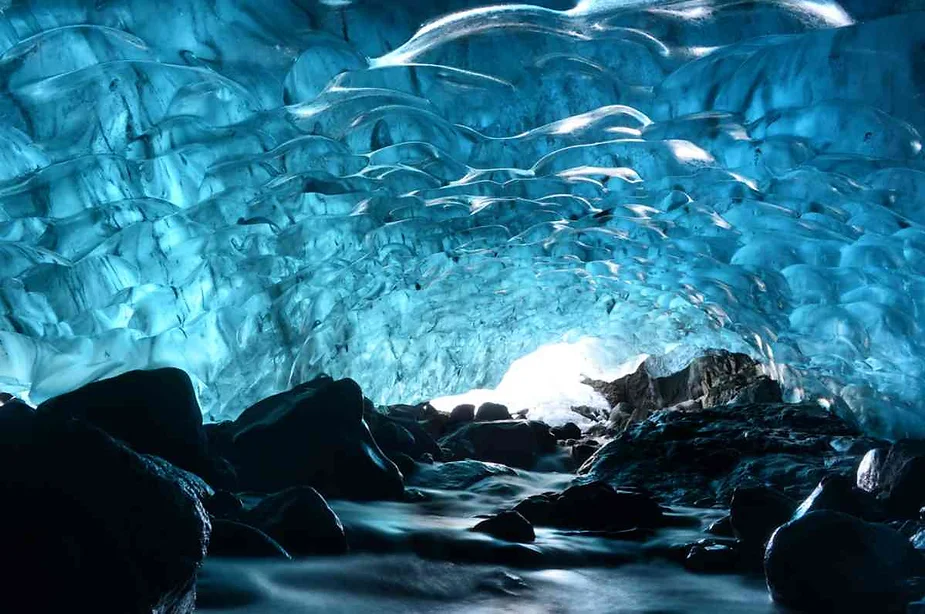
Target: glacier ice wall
{"x":416,"y":194}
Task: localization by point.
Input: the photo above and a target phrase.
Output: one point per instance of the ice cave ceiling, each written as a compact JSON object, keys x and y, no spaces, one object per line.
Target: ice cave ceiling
{"x":415,"y":194}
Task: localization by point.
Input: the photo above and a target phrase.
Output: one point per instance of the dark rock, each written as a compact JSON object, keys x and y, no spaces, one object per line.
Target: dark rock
{"x":457,"y":475}
{"x":713,"y":556}
{"x":509,"y":442}
{"x":832,"y":562}
{"x":569,"y":430}
{"x":154,"y":412}
{"x":896,"y":475}
{"x":595,"y":506}
{"x":582,"y":451}
{"x":224,"y":504}
{"x":702,"y":456}
{"x":509,"y":526}
{"x":89,"y":525}
{"x":756,"y":511}
{"x":237,"y":540}
{"x":492,"y":411}
{"x":545,"y":440}
{"x":404,"y":463}
{"x":761,"y":390}
{"x":715,"y":378}
{"x":591,"y":413}
{"x":837,"y":493}
{"x":461,"y":414}
{"x":313,"y":435}
{"x":722,"y":527}
{"x":301,"y":521}
{"x":398,"y":432}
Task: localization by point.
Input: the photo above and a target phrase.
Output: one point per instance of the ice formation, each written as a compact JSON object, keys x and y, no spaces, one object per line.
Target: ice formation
{"x":258,"y":190}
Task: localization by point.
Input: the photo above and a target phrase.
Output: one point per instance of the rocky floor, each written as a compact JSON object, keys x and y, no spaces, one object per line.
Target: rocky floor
{"x":122,"y":499}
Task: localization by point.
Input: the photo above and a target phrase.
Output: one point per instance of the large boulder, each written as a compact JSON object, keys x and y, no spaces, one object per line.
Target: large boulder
{"x":154,"y":412}
{"x":716,"y":378}
{"x":838,"y":493}
{"x":489,"y":411}
{"x":756,"y":511}
{"x":832,"y":562}
{"x":701,"y":456}
{"x":516,"y":443}
{"x":301,"y":521}
{"x":313,"y":435}
{"x":594,"y":507}
{"x":896,"y":475}
{"x":88,"y":524}
{"x":457,"y":475}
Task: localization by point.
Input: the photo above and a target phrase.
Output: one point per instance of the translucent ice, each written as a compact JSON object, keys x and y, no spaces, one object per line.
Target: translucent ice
{"x":256,"y":191}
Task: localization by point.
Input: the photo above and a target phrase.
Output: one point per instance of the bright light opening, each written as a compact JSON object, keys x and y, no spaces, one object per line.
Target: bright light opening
{"x":548,"y":381}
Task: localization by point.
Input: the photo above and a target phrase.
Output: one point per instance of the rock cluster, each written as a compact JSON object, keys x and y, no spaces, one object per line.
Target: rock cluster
{"x":120,"y":491}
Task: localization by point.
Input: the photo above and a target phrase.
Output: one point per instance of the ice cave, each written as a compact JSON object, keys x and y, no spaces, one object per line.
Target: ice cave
{"x":638,"y":286}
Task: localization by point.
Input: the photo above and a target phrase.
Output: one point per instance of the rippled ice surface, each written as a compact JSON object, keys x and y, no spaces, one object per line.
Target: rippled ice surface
{"x":260,"y":190}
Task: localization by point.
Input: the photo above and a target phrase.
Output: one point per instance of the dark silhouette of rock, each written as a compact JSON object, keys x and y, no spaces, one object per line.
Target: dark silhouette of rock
{"x":237,"y":540}
{"x":595,"y":507}
{"x":154,"y":412}
{"x":460,"y":415}
{"x":89,"y":525}
{"x":756,"y":511}
{"x":713,"y":556}
{"x":492,"y":411}
{"x":832,"y":562}
{"x":689,"y":457}
{"x":401,"y":432}
{"x":722,"y":527}
{"x":583,"y":450}
{"x":837,"y":493}
{"x":313,"y":435}
{"x":516,"y":443}
{"x":896,"y":475}
{"x":509,"y":526}
{"x":569,"y":430}
{"x":761,"y":390}
{"x":545,"y":439}
{"x":224,"y":504}
{"x":301,"y":521}
{"x":405,"y":463}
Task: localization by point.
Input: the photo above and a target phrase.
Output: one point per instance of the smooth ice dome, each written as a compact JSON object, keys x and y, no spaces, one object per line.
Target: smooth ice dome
{"x":416,"y":194}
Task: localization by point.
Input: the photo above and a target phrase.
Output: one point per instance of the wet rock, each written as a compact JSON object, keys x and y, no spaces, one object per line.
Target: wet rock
{"x":595,"y":507}
{"x":301,"y":521}
{"x":457,"y":475}
{"x":509,"y":526}
{"x":832,"y":562}
{"x":404,"y":430}
{"x":582,"y":451}
{"x":237,"y":540}
{"x":224,"y":504}
{"x":713,"y":556}
{"x":492,"y":411}
{"x":701,"y":456}
{"x":88,"y":524}
{"x":761,"y":390}
{"x":545,"y":439}
{"x":154,"y":412}
{"x":509,"y":442}
{"x":837,"y":493}
{"x":896,"y":475}
{"x":757,"y":511}
{"x":722,"y":527}
{"x":405,"y":463}
{"x":569,"y":430}
{"x":313,"y":435}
